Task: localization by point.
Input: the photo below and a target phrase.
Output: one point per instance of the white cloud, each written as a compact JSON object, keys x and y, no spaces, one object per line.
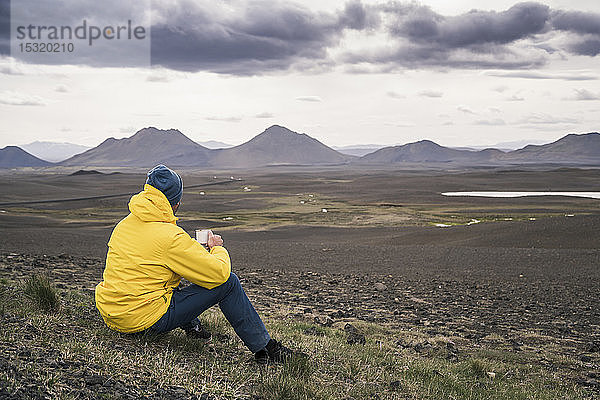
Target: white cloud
{"x":20,"y":99}
{"x":395,"y":95}
{"x":62,"y":89}
{"x":431,"y":93}
{"x":8,"y":66}
{"x":158,"y":78}
{"x":127,"y":129}
{"x":515,"y":97}
{"x":545,"y":119}
{"x":264,"y":115}
{"x":465,"y":109}
{"x":584,"y":94}
{"x":569,"y":76}
{"x":402,"y":124}
{"x":223,"y":119}
{"x":309,"y":98}
{"x":491,"y":122}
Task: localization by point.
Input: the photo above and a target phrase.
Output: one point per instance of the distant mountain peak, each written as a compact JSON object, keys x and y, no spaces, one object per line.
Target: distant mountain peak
{"x":571,"y":136}
{"x":426,"y":142}
{"x":278,"y":145}
{"x":148,"y":146}
{"x":280,"y":130}
{"x":275,"y":127}
{"x":151,"y":130}
{"x":14,"y":157}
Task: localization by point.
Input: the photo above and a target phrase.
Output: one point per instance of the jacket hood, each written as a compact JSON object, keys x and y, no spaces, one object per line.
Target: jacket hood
{"x":151,"y":205}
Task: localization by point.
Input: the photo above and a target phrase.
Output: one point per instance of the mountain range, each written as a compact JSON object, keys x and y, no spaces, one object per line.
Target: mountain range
{"x":570,"y":149}
{"x":278,"y":145}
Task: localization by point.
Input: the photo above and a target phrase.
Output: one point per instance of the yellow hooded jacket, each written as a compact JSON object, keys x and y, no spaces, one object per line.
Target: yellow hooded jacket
{"x":147,"y":256}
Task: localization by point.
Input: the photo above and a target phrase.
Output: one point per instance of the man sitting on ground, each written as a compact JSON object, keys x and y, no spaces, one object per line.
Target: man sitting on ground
{"x":148,"y":254}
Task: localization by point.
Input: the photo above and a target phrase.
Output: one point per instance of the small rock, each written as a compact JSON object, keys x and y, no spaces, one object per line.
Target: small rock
{"x":395,"y":385}
{"x":380,"y":287}
{"x":403,"y":344}
{"x":336,"y":314}
{"x":420,"y":347}
{"x":516,"y":344}
{"x":323,"y":320}
{"x":594,"y":347}
{"x":451,"y":351}
{"x":25,"y":353}
{"x":354,"y":335}
{"x":590,"y":382}
{"x":92,"y":380}
{"x":221,"y":337}
{"x":313,"y":331}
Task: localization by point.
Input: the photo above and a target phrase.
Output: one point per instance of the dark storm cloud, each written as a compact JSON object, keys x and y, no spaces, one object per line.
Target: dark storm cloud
{"x":477,"y":39}
{"x":251,"y":37}
{"x":586,"y":47}
{"x":422,"y":25}
{"x":587,"y":25}
{"x":516,"y":38}
{"x":261,"y":36}
{"x":4,"y":27}
{"x":576,"y":21}
{"x":358,"y":16}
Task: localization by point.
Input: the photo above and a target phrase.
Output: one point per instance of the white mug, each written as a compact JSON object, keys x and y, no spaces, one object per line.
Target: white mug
{"x":202,"y":235}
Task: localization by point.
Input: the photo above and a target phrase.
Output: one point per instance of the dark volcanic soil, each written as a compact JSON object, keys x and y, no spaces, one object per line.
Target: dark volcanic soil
{"x":532,"y":283}
{"x":558,"y":305}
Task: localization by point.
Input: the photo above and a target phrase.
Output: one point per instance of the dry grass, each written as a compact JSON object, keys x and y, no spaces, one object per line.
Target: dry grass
{"x":71,"y":354}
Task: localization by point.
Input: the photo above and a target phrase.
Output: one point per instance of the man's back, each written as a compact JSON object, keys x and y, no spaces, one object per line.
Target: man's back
{"x":147,"y":256}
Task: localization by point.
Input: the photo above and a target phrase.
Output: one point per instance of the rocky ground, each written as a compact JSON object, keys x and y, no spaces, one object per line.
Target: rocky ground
{"x":512,"y":314}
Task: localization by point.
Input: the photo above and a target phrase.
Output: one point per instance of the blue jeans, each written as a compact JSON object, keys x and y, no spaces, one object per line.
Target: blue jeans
{"x":193,"y":300}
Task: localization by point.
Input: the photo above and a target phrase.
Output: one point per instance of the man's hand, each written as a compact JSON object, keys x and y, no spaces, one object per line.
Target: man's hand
{"x":214,"y":240}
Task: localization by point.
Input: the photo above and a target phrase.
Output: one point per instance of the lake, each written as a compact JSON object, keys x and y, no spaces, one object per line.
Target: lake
{"x":591,"y":195}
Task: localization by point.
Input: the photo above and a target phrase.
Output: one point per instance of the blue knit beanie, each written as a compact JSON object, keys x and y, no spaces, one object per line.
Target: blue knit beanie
{"x":167,"y":181}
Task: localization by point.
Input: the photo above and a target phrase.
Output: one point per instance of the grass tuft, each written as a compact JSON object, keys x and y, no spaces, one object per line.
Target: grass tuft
{"x":298,"y":367}
{"x":40,"y":291}
{"x":477,"y":368}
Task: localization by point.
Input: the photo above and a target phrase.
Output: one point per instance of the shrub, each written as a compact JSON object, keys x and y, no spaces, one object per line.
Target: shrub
{"x":42,"y":293}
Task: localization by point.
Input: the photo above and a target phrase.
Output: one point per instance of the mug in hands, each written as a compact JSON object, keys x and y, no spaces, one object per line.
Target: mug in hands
{"x":207,"y":239}
{"x":202,"y":236}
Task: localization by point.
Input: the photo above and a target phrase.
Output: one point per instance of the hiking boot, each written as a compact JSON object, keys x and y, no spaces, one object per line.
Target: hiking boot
{"x":197,"y":332}
{"x":275,"y":352}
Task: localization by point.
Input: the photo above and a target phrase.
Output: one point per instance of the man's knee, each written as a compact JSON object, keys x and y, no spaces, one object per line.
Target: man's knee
{"x":233,"y":280}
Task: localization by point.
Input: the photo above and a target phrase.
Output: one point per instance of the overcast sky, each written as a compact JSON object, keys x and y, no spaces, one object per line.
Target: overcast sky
{"x":456,"y":72}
